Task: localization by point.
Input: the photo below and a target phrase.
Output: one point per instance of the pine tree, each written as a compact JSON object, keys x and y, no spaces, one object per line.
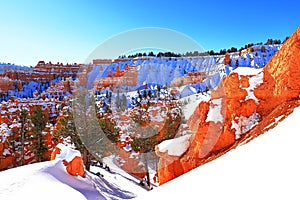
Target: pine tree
{"x":110,"y":129}
{"x":39,"y":120}
{"x":24,"y":121}
{"x":123,"y":103}
{"x":118,"y":100}
{"x":145,"y":94}
{"x":87,"y":125}
{"x":149,"y":93}
{"x":66,"y":128}
{"x":158,"y":90}
{"x":145,"y":144}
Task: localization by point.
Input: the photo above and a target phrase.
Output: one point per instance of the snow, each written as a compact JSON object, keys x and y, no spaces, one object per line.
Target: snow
{"x":277,"y":119}
{"x":256,"y":78}
{"x":155,"y":114}
{"x":127,"y":147}
{"x":4,"y":132}
{"x":6,"y":152}
{"x":39,"y":181}
{"x":214,"y":113}
{"x":266,"y":168}
{"x":245,"y":124}
{"x":12,"y":110}
{"x":228,"y":175}
{"x":49,"y":180}
{"x":124,"y":137}
{"x":253,"y":83}
{"x":119,"y":178}
{"x":67,"y":153}
{"x":176,"y":146}
{"x":247,"y":71}
{"x":192,"y":103}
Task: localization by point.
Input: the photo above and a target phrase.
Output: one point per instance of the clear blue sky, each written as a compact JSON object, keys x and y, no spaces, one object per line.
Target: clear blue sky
{"x":68,"y":30}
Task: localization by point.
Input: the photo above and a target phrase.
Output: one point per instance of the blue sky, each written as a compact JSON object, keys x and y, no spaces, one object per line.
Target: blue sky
{"x":67,"y":31}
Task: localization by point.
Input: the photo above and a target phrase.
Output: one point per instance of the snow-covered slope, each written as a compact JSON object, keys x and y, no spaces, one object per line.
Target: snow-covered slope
{"x":266,"y":168}
{"x":49,"y":180}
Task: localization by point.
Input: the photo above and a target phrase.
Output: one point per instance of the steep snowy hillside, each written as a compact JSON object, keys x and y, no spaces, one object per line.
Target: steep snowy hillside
{"x":266,"y":168}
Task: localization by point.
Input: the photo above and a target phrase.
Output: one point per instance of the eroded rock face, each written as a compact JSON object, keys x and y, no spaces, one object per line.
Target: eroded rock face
{"x":131,"y":164}
{"x":6,"y":162}
{"x":70,"y":158}
{"x":227,"y":59}
{"x":75,"y":166}
{"x":243,"y":107}
{"x":281,"y":79}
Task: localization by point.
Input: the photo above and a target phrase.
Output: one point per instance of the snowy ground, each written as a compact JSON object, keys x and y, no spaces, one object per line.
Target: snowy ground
{"x":119,"y":177}
{"x":266,"y":168}
{"x":49,"y":180}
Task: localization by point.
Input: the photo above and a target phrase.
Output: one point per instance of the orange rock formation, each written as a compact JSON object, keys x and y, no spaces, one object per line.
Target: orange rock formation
{"x":74,"y":167}
{"x":277,"y":96}
{"x":227,"y":59}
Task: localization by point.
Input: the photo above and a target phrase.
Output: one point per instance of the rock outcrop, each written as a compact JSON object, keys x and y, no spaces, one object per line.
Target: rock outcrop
{"x":281,"y":76}
{"x":227,"y":59}
{"x":70,"y":158}
{"x":242,"y":107}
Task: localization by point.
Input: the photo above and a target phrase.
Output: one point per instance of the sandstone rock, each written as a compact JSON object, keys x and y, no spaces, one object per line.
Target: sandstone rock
{"x":6,"y":162}
{"x":75,"y":167}
{"x":227,"y":59}
{"x":70,"y":158}
{"x":54,"y":153}
{"x":131,"y":164}
{"x":276,"y":97}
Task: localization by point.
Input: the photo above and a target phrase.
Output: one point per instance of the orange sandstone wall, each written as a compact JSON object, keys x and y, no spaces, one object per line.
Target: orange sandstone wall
{"x":281,"y":86}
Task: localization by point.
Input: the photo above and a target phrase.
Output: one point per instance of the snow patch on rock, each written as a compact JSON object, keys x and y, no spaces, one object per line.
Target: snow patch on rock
{"x":66,"y":153}
{"x":244,"y":124}
{"x":176,"y":146}
{"x":214,"y":113}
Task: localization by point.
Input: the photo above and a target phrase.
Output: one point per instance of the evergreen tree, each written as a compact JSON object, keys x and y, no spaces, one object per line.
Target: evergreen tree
{"x":145,"y":144}
{"x":269,"y":42}
{"x":285,"y":39}
{"x":66,"y":128}
{"x":87,"y":125}
{"x":147,"y":137}
{"x":123,"y":103}
{"x":110,"y":129}
{"x":158,"y":90}
{"x":149,"y":93}
{"x":118,"y":100}
{"x":39,"y":120}
{"x":24,"y":121}
{"x":151,"y":54}
{"x":145,"y":94}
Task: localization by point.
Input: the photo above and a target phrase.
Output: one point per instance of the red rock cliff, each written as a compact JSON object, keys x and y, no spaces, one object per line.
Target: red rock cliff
{"x":273,"y":98}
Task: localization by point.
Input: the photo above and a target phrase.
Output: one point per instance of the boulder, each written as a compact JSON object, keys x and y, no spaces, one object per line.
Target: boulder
{"x":70,"y":158}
